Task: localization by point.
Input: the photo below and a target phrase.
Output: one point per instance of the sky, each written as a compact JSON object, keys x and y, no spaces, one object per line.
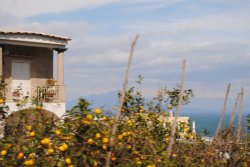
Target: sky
{"x":211,"y":35}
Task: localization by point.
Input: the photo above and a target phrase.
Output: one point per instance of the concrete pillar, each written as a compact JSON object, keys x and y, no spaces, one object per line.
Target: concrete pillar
{"x":60,"y":74}
{"x":1,"y":62}
{"x":60,"y":68}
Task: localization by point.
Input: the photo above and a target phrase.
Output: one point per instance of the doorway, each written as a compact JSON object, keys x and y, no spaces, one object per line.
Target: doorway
{"x":21,"y":78}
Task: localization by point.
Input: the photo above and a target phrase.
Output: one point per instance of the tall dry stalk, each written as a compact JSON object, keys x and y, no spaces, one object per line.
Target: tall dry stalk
{"x":238,"y":132}
{"x":118,"y":113}
{"x":230,"y":125}
{"x":223,"y":112}
{"x":179,"y":106}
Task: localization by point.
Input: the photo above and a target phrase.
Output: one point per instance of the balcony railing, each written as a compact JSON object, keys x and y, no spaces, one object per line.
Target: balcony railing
{"x":47,"y":94}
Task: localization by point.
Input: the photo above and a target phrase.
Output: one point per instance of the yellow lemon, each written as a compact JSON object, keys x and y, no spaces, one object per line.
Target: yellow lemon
{"x":51,"y":150}
{"x":139,"y":162}
{"x":98,"y":135}
{"x":67,"y":160}
{"x":89,"y":117}
{"x":86,"y":122}
{"x":104,"y":118}
{"x":58,"y":132}
{"x":90,"y":141}
{"x":31,"y":155}
{"x":20,"y":155}
{"x":71,"y":166}
{"x":95,"y":164}
{"x":129,"y":147}
{"x":186,"y":130}
{"x":65,"y":146}
{"x":98,"y":111}
{"x":38,"y":107}
{"x":3,"y":152}
{"x":105,"y":132}
{"x":130,"y":123}
{"x":28,"y":127}
{"x":129,"y":132}
{"x":69,"y":137}
{"x":113,"y":158}
{"x":32,"y":134}
{"x":105,"y":140}
{"x":45,"y":141}
{"x":174,"y":155}
{"x":104,"y":147}
{"x":61,"y":148}
{"x":29,"y":162}
{"x":170,"y":106}
{"x":1,"y":101}
{"x":120,"y":137}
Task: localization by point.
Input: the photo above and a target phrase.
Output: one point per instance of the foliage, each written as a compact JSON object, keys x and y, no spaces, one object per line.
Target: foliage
{"x":82,"y":139}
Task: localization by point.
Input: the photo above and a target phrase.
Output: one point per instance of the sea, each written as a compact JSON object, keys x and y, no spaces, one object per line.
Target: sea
{"x":210,"y":120}
{"x":202,"y":118}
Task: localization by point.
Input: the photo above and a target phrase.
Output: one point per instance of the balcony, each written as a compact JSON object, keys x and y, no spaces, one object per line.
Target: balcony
{"x":48,"y":94}
{"x":43,"y":91}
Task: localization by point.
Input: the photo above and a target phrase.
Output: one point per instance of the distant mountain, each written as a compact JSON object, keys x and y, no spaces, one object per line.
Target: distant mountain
{"x":105,"y":100}
{"x":205,"y":117}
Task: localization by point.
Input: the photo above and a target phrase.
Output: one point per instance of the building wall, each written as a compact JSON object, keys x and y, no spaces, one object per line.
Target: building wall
{"x":41,"y":64}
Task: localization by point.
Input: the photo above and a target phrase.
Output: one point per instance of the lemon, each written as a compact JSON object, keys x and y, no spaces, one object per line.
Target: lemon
{"x":89,"y":117}
{"x":86,"y":122}
{"x":31,"y":155}
{"x":20,"y":155}
{"x":28,"y":127}
{"x":45,"y":141}
{"x":95,"y":164}
{"x":130,"y":123}
{"x":97,"y":135}
{"x":32,"y":134}
{"x":29,"y":162}
{"x":113,"y":158}
{"x":90,"y":141}
{"x":3,"y":152}
{"x":51,"y":150}
{"x":104,"y":147}
{"x":104,"y":118}
{"x":67,"y":161}
{"x":58,"y":132}
{"x":65,"y":146}
{"x":1,"y":101}
{"x":98,"y":111}
{"x":139,"y":162}
{"x":105,"y":140}
{"x":120,"y":137}
{"x":38,"y":107}
{"x":61,"y":148}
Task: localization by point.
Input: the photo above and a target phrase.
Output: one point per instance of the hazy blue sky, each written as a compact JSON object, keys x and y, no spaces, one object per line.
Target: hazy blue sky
{"x":212,"y":35}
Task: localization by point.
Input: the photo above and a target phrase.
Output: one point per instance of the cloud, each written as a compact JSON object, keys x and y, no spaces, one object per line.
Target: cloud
{"x":216,"y":48}
{"x":7,"y":19}
{"x":26,"y":8}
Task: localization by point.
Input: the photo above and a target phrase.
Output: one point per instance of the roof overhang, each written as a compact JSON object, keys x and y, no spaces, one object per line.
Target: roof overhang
{"x":33,"y":39}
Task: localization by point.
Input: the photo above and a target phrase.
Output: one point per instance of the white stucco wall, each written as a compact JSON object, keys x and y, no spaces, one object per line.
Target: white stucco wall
{"x":57,"y":108}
